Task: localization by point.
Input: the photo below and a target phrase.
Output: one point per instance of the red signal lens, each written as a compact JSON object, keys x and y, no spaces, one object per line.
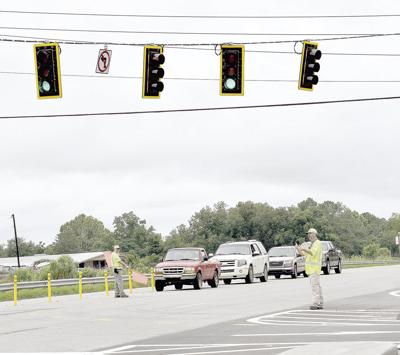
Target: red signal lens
{"x":231,"y":58}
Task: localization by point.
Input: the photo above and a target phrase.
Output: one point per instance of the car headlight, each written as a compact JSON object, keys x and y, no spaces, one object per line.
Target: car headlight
{"x":158,"y":270}
{"x":241,"y":262}
{"x":288,"y":263}
{"x":189,"y":270}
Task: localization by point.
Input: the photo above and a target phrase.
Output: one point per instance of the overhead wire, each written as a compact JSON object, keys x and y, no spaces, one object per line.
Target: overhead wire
{"x":367,"y":16}
{"x":107,"y":76}
{"x":200,"y":109}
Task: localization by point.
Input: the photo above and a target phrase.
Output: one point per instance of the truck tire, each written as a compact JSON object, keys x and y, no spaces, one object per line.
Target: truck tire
{"x":159,"y":285}
{"x":215,"y":280}
{"x":250,"y":276}
{"x":178,"y":286}
{"x":305,"y":274}
{"x":338,"y":269}
{"x":277,"y":276}
{"x":198,"y":282}
{"x":294,"y":274}
{"x":264,"y":277}
{"x":327,"y":268}
{"x":227,"y":281}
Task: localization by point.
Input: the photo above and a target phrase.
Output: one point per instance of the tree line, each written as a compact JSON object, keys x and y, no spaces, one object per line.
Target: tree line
{"x":352,"y":232}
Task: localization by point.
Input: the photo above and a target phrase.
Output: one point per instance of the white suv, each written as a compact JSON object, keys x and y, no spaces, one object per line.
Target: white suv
{"x":243,"y":260}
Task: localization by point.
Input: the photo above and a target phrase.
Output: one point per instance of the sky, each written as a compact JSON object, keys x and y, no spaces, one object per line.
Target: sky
{"x":166,"y":166}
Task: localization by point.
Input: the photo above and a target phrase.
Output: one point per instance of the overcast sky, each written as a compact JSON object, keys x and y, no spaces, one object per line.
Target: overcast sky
{"x":165,"y":167}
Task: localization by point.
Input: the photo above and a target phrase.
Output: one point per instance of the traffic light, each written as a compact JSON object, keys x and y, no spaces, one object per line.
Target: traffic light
{"x":309,"y":66}
{"x":152,"y":72}
{"x":48,"y":75}
{"x":232,"y":70}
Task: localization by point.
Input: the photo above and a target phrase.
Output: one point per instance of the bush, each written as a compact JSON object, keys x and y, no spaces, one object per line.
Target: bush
{"x":384,"y":253}
{"x":23,"y":274}
{"x":87,"y":272}
{"x":371,"y":251}
{"x":63,"y":268}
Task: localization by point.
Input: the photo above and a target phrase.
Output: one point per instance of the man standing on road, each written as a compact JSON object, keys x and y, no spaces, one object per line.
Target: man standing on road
{"x":313,"y":256}
{"x":117,"y":266}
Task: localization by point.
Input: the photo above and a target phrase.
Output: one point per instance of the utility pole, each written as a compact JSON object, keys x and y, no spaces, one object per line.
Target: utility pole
{"x":16,"y":239}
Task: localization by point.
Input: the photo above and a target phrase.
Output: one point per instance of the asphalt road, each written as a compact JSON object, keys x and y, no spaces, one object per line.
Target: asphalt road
{"x":232,"y":318}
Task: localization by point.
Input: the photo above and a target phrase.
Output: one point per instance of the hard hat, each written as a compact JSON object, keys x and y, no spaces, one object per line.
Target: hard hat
{"x":312,"y":230}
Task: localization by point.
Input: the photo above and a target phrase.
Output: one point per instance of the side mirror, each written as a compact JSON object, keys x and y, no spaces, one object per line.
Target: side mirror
{"x":205,"y":258}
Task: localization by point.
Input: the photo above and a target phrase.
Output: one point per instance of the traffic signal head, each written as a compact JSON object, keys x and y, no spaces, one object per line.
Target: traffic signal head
{"x":232,"y":70}
{"x":152,"y":72}
{"x":47,"y":65}
{"x":309,"y":66}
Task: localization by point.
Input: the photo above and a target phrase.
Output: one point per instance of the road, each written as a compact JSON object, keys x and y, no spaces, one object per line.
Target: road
{"x":226,"y":316}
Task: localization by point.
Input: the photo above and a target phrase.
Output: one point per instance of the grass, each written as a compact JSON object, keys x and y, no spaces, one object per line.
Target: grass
{"x":353,"y":266}
{"x":60,"y":291}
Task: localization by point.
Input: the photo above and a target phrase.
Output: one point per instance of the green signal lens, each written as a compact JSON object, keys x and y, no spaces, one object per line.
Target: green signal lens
{"x":230,"y":84}
{"x":45,"y":86}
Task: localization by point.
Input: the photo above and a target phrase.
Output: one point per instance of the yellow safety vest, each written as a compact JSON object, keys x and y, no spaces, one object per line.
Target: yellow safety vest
{"x":116,"y":261}
{"x":314,"y":261}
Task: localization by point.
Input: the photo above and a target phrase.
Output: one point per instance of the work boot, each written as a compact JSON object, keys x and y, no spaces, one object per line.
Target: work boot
{"x":314,"y":307}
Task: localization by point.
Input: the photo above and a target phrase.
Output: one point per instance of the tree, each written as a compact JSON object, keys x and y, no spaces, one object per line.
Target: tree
{"x":132,"y":235}
{"x":25,"y":248}
{"x":82,"y":234}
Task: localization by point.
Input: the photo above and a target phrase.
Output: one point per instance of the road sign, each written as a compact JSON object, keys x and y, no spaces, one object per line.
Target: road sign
{"x":103,"y":61}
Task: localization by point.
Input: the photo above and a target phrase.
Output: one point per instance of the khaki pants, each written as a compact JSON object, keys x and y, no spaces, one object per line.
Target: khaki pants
{"x":316,"y":290}
{"x":119,"y":285}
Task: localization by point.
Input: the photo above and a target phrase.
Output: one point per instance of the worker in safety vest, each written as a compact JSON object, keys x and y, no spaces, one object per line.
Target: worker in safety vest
{"x":313,"y":256}
{"x":117,"y":266}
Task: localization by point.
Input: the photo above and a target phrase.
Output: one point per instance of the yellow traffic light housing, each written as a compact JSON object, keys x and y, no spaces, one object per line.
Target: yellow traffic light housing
{"x":232,"y":70}
{"x":153,"y":58}
{"x":309,"y":66}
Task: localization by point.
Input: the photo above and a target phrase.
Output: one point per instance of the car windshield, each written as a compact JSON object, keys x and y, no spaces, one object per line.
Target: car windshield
{"x":182,"y":254}
{"x":284,"y":252}
{"x":226,"y":249}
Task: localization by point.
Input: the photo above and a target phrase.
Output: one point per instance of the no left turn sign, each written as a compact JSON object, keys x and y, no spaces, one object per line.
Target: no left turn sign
{"x":103,"y":61}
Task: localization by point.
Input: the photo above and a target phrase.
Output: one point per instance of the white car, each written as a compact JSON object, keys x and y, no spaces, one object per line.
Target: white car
{"x":243,"y":260}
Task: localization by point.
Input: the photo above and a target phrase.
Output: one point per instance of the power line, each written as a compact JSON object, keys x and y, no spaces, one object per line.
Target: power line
{"x":102,"y":76}
{"x":127,"y":113}
{"x":30,"y":39}
{"x":201,"y":16}
{"x":85,"y":30}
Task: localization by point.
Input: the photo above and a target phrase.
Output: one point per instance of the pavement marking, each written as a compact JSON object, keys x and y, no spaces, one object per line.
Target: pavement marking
{"x":236,"y":351}
{"x":328,"y":318}
{"x":327,"y":333}
{"x":395,"y":293}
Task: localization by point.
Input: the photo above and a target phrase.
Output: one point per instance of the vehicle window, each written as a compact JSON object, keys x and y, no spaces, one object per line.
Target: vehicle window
{"x":255,"y":249}
{"x":241,"y":249}
{"x":182,"y":254}
{"x":263,"y":250}
{"x":325,"y":246}
{"x":282,"y":251}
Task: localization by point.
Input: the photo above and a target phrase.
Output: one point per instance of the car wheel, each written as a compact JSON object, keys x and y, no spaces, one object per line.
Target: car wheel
{"x":264,"y":277}
{"x":277,"y":276}
{"x":215,"y":280}
{"x":294,"y":275}
{"x":227,"y":281}
{"x":250,"y":275}
{"x":178,"y":286}
{"x":198,"y":281}
{"x":338,"y":269}
{"x":327,"y":268}
{"x":159,"y":285}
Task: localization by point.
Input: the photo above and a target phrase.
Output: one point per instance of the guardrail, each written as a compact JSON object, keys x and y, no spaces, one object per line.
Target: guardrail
{"x":361,"y":262}
{"x":61,"y":282}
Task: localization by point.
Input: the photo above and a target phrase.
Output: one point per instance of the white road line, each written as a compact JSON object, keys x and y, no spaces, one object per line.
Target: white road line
{"x":324,"y":320}
{"x":327,"y":333}
{"x":177,"y":348}
{"x":236,"y":351}
{"x":395,"y":293}
{"x":121,"y":348}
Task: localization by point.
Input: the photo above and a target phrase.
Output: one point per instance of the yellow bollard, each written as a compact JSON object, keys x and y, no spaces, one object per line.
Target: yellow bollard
{"x":152,"y":279}
{"x":80,"y":284}
{"x":49,"y":286}
{"x":106,"y":282}
{"x":15,"y":290}
{"x":130,"y":280}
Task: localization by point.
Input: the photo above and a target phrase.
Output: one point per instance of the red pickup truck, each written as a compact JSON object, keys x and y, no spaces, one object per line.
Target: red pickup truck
{"x":186,"y":266}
